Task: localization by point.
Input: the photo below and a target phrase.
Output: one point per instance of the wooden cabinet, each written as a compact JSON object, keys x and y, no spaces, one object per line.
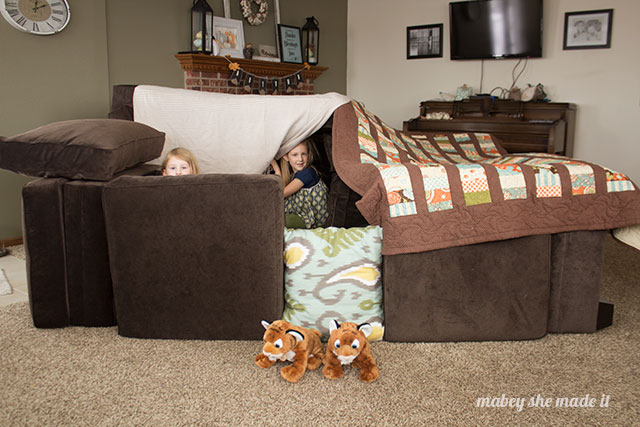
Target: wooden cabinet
{"x":546,"y":127}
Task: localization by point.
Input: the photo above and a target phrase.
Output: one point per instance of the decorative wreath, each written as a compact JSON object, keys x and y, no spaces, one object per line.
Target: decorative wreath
{"x":255,"y":18}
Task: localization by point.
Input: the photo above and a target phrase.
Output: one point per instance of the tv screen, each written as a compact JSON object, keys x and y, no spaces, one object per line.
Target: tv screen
{"x":487,"y":29}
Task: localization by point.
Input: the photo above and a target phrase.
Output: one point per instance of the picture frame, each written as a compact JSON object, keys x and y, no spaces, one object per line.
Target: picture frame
{"x":588,"y":29}
{"x":227,"y":8}
{"x":424,"y":41}
{"x":230,"y":35}
{"x":290,"y":43}
{"x":276,"y":15}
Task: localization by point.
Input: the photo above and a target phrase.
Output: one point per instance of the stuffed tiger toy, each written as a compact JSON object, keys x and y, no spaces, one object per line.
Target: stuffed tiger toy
{"x":348,"y":345}
{"x":284,"y":341}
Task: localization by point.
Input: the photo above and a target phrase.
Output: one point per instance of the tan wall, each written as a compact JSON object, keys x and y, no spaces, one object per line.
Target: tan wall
{"x":130,"y":35}
{"x":332,"y":20}
{"x":604,"y":83}
{"x":107,"y":42}
{"x":49,"y":78}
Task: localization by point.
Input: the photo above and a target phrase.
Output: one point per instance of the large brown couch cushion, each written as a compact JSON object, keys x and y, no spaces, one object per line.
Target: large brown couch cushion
{"x":87,"y":261}
{"x":487,"y":291}
{"x":195,"y":256}
{"x":43,"y":232}
{"x":94,"y":149}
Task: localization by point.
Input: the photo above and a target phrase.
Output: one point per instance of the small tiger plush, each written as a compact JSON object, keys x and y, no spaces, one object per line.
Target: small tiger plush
{"x":284,"y":341}
{"x":348,"y":345}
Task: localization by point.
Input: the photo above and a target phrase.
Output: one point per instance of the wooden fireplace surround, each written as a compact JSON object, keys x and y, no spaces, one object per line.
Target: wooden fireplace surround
{"x":212,"y":74}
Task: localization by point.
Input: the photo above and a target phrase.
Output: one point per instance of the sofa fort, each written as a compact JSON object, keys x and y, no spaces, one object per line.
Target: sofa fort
{"x":518,"y":255}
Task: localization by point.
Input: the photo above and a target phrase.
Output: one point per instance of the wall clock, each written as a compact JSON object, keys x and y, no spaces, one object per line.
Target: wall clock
{"x":42,"y":17}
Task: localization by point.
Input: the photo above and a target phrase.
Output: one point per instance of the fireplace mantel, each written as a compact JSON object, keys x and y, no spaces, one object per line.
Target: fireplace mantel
{"x":202,"y":62}
{"x":211,"y":73}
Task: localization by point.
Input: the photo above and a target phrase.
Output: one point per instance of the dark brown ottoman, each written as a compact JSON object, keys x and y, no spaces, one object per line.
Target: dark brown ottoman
{"x":197,"y":256}
{"x":487,"y":291}
{"x":66,"y":249}
{"x":43,"y":233}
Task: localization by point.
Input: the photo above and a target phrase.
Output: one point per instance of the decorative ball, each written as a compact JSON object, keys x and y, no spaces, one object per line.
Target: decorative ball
{"x":197,"y":42}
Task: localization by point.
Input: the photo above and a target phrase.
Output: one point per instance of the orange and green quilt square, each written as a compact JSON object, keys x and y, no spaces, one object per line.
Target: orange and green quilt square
{"x":486,"y":144}
{"x":475,"y":185}
{"x":448,"y":148}
{"x":398,"y":188}
{"x":547,"y":182}
{"x":436,"y":188}
{"x":582,"y":179}
{"x":617,"y":182}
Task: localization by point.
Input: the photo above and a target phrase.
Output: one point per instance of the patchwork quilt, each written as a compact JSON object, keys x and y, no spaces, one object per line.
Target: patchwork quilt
{"x":435,"y":191}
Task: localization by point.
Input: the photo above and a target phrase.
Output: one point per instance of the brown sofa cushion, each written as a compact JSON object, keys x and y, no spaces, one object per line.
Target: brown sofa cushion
{"x":486,"y":291}
{"x":94,"y":149}
{"x":195,"y":256}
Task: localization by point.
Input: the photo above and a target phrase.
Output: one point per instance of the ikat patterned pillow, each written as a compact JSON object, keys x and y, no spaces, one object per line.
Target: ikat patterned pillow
{"x":334,"y":273}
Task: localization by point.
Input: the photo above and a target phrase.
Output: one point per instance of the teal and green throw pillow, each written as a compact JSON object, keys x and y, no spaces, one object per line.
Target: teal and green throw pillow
{"x":333,"y":273}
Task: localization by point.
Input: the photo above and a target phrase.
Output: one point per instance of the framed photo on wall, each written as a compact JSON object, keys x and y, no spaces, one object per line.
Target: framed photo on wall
{"x":230,"y":35}
{"x":424,"y":41}
{"x":290,"y":44}
{"x":587,"y":30}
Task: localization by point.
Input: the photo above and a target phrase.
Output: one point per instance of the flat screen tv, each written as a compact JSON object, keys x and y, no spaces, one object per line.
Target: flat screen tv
{"x":491,"y":29}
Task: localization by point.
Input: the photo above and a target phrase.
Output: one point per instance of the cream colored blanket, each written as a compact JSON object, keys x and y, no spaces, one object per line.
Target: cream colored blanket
{"x":232,"y":133}
{"x":629,"y":235}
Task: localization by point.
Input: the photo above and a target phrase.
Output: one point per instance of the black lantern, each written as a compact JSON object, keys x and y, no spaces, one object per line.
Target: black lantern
{"x":201,"y":27}
{"x":310,"y":41}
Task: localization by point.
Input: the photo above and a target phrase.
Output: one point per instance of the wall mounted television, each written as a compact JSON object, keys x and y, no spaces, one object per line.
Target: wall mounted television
{"x":492,"y":29}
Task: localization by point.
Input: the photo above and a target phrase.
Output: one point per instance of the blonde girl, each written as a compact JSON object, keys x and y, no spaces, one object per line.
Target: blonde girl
{"x":305,"y":193}
{"x":179,"y":161}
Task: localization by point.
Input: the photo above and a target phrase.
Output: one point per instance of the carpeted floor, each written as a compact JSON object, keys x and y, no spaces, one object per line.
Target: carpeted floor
{"x":92,"y":376}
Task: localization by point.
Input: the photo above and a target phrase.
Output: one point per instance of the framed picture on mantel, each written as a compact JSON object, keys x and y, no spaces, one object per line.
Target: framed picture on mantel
{"x":290,"y":44}
{"x":230,"y":35}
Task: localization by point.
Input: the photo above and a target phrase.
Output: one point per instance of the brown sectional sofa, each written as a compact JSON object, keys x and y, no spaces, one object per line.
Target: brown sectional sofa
{"x":145,"y":260}
{"x":200,"y":257}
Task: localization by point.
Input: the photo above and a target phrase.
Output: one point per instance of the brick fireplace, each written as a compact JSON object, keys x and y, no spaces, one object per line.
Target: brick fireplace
{"x":212,"y":74}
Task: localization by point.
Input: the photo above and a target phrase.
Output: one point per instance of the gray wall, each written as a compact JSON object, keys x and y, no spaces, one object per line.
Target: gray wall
{"x":107,"y":42}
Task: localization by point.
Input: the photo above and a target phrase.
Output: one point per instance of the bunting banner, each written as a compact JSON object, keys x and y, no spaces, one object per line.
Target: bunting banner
{"x":245,"y":79}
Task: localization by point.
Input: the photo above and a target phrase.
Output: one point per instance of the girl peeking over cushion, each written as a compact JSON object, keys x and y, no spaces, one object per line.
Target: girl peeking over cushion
{"x":179,"y":161}
{"x":305,"y":194}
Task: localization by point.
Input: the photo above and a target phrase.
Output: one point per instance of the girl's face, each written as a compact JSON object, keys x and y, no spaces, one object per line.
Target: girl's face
{"x":298,"y":157}
{"x":176,"y":166}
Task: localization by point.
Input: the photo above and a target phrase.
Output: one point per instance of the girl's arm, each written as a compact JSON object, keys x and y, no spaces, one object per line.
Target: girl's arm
{"x":293,"y":187}
{"x":276,"y":167}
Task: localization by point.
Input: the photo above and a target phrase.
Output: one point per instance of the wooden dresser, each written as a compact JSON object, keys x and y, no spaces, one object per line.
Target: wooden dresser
{"x":546,"y":127}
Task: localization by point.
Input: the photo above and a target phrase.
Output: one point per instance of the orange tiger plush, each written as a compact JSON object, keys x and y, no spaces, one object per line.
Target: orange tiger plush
{"x":348,"y":345}
{"x":284,"y":341}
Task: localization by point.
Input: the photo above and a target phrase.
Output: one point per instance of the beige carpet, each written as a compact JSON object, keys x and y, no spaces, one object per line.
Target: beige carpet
{"x":91,"y":376}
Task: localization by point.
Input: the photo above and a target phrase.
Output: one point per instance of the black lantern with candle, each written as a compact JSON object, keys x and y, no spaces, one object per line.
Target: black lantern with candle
{"x":310,"y":41}
{"x":201,"y":27}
